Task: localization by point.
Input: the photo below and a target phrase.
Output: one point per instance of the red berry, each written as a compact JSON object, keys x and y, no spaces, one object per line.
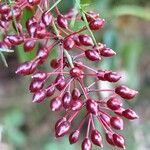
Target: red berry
{"x":62,"y":21}
{"x":68,"y":43}
{"x":33,"y":2}
{"x":61,"y":82}
{"x":55,"y":63}
{"x":39,"y":76}
{"x":92,"y":106}
{"x":74,"y":136}
{"x":109,"y":138}
{"x":50,"y":90}
{"x":62,"y":129}
{"x":130,"y":114}
{"x":15,"y":39}
{"x":112,"y":76}
{"x":107,"y":52}
{"x":36,"y":86}
{"x":96,"y":138}
{"x":97,"y":24}
{"x":76,"y":105}
{"x":39,"y":96}
{"x":106,"y":118}
{"x":100,"y":75}
{"x":76,"y":73}
{"x":113,"y":103}
{"x":119,"y":140}
{"x":59,"y":122}
{"x":86,"y":40}
{"x":66,"y":100}
{"x":29,"y":45}
{"x":75,"y":94}
{"x":86,"y":144}
{"x":92,"y":55}
{"x":116,"y":123}
{"x":55,"y":104}
{"x":47,"y":18}
{"x":4,"y":8}
{"x":125,"y":92}
{"x":91,"y":16}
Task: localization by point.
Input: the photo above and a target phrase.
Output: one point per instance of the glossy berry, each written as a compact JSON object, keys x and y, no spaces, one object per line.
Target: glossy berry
{"x":62,"y":21}
{"x":76,"y":72}
{"x":54,"y":63}
{"x":109,"y":138}
{"x":85,"y":40}
{"x":112,"y":76}
{"x":68,"y":43}
{"x":92,"y":55}
{"x":55,"y":104}
{"x":4,"y":8}
{"x":125,"y":92}
{"x":29,"y":45}
{"x":119,"y":141}
{"x":39,"y":96}
{"x":130,"y":114}
{"x":116,"y":123}
{"x":100,"y":75}
{"x":91,"y":16}
{"x":66,"y":100}
{"x":74,"y":136}
{"x":86,"y":144}
{"x":50,"y":90}
{"x":75,"y":94}
{"x":62,"y":129}
{"x":61,"y":82}
{"x":36,"y":86}
{"x":76,"y":105}
{"x":113,"y":103}
{"x":92,"y":106}
{"x":39,"y":76}
{"x":107,"y":52}
{"x":47,"y":18}
{"x":96,"y":24}
{"x":96,"y":138}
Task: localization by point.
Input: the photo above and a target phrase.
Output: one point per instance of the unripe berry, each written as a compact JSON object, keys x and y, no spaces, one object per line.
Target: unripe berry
{"x":97,"y":24}
{"x":113,"y":103}
{"x":92,"y":106}
{"x":116,"y":123}
{"x":74,"y":136}
{"x":130,"y":114}
{"x":96,"y":138}
{"x":119,"y":140}
{"x":85,"y":40}
{"x":86,"y":144}
{"x":62,"y":21}
{"x":55,"y":104}
{"x":62,"y":129}
{"x":125,"y":92}
{"x":39,"y":96}
{"x":92,"y":55}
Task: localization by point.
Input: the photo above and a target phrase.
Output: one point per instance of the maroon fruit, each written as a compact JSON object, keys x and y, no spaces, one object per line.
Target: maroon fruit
{"x":74,"y":136}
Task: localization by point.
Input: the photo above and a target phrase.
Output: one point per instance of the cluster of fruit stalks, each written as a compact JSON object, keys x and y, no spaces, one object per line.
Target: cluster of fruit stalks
{"x":53,"y":30}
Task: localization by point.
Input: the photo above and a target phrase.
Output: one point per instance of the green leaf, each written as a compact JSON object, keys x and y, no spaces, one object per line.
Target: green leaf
{"x":136,"y":11}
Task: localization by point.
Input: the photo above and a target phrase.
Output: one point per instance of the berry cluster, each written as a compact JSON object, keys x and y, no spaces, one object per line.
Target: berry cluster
{"x":69,"y":73}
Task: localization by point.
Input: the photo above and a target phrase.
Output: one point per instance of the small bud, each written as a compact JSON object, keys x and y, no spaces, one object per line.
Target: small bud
{"x":107,"y":52}
{"x":109,"y":138}
{"x":92,"y":55}
{"x":36,"y":86}
{"x":68,"y":43}
{"x":47,"y":18}
{"x":39,"y":96}
{"x":76,"y":105}
{"x":61,"y":82}
{"x":112,"y":76}
{"x":66,"y":100}
{"x":86,"y":40}
{"x":39,"y":76}
{"x":113,"y":103}
{"x":97,"y":24}
{"x":75,"y":94}
{"x":76,"y":72}
{"x":29,"y":45}
{"x":62,"y":21}
{"x":50,"y":90}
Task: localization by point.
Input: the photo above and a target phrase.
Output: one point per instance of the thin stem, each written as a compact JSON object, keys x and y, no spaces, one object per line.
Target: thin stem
{"x":54,"y":5}
{"x":89,"y":125}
